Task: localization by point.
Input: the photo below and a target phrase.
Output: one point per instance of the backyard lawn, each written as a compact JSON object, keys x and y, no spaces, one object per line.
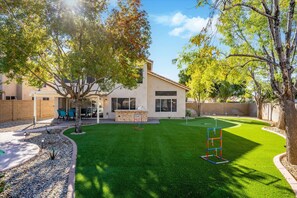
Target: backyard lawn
{"x":163,"y":160}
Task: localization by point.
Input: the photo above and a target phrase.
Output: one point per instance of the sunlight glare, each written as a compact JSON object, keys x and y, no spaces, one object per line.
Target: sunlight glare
{"x":71,"y":3}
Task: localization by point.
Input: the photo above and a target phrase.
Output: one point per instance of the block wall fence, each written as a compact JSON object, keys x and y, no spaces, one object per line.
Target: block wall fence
{"x":241,"y":109}
{"x":270,"y":111}
{"x":11,"y":110}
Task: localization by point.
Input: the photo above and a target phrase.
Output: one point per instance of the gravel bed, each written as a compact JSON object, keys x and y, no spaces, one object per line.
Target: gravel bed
{"x":277,"y":130}
{"x":291,"y":168}
{"x":19,"y":125}
{"x":41,"y":176}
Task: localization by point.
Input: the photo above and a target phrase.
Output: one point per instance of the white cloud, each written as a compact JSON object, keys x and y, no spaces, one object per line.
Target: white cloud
{"x":163,"y":19}
{"x":184,"y":26}
{"x":178,"y":19}
{"x":170,"y":20}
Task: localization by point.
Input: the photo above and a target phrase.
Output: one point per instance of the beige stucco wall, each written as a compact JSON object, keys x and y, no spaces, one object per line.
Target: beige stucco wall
{"x":140,"y":93}
{"x":21,"y":91}
{"x":27,"y":90}
{"x":145,"y":97}
{"x":8,"y":89}
{"x":156,"y":84}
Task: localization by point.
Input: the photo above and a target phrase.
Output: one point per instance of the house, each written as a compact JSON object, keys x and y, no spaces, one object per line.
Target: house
{"x":17,"y":91}
{"x":155,"y":97}
{"x":159,"y":96}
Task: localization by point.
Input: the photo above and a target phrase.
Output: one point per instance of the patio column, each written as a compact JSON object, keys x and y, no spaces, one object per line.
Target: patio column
{"x":34,"y":110}
{"x":98,"y":113}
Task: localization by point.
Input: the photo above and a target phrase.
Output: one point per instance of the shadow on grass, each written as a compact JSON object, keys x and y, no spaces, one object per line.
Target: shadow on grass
{"x":207,"y":122}
{"x":246,"y":121}
{"x":163,"y":161}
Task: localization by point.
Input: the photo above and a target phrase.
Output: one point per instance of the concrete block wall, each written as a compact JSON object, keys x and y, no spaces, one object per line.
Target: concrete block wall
{"x":11,"y":110}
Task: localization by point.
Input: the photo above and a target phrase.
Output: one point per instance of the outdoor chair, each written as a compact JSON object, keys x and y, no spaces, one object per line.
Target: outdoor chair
{"x":71,"y":114}
{"x":61,"y":114}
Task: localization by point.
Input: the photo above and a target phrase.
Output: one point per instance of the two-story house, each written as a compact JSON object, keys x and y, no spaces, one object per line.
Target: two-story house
{"x":157,"y":96}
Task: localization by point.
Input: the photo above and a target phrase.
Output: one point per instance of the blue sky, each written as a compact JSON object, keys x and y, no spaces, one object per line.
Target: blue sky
{"x":172,"y":24}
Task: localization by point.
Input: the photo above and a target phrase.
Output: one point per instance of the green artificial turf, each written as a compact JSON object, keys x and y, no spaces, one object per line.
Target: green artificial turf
{"x":163,"y":160}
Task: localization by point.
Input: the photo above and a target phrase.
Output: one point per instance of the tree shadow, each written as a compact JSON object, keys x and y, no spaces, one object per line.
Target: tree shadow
{"x":208,"y":122}
{"x":164,"y":161}
{"x":246,"y":121}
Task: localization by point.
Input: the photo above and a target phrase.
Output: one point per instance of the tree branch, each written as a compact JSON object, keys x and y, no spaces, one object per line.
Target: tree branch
{"x":252,"y":56}
{"x":248,"y":6}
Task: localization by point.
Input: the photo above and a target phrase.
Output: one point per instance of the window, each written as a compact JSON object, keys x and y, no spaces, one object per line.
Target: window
{"x":165,"y":93}
{"x":166,"y":105}
{"x":10,"y":98}
{"x":123,"y":104}
{"x":45,"y":98}
{"x":140,"y":78}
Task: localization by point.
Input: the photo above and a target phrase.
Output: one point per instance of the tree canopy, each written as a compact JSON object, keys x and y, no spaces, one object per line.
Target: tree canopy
{"x":265,"y":32}
{"x":79,"y":50}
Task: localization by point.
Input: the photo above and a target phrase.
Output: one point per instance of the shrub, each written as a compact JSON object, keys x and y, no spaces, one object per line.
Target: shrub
{"x":53,"y":154}
{"x":188,"y":113}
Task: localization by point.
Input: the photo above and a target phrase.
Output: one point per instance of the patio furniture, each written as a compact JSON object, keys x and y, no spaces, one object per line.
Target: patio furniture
{"x":71,"y":114}
{"x":61,"y":114}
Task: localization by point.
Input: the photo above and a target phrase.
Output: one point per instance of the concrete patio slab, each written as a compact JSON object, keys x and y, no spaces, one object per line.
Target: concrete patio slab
{"x":16,"y":153}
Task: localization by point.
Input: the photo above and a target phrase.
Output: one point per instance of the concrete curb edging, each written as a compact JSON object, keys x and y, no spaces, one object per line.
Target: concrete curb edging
{"x":71,"y":178}
{"x":290,"y":179}
{"x":277,"y":162}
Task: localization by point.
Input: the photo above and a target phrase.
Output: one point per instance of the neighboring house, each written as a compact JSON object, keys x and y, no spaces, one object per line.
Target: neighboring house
{"x":17,"y":91}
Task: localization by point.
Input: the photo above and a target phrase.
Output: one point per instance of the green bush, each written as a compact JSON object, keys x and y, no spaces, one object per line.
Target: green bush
{"x":188,"y":113}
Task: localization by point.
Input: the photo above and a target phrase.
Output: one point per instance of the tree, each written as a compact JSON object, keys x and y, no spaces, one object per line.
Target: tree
{"x":224,"y":89}
{"x":184,"y":78}
{"x":79,"y":50}
{"x":260,"y":88}
{"x":273,"y":27}
{"x":206,"y":70}
{"x":199,"y":59}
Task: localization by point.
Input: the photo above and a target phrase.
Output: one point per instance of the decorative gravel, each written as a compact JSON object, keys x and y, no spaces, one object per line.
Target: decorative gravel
{"x":291,"y":168}
{"x":19,"y":125}
{"x":41,"y":176}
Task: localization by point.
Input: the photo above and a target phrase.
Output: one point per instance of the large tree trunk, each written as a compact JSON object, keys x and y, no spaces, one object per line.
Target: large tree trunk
{"x":291,"y":128}
{"x":259,"y":109}
{"x":198,"y":105}
{"x":199,"y":109}
{"x":281,"y":120}
{"x":78,"y":104}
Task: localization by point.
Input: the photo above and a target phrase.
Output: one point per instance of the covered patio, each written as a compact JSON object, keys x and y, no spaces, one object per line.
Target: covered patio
{"x":91,"y":112}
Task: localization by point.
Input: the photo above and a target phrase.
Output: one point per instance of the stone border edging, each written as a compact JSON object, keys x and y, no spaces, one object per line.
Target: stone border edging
{"x":277,"y":162}
{"x":71,"y":177}
{"x":290,"y":179}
